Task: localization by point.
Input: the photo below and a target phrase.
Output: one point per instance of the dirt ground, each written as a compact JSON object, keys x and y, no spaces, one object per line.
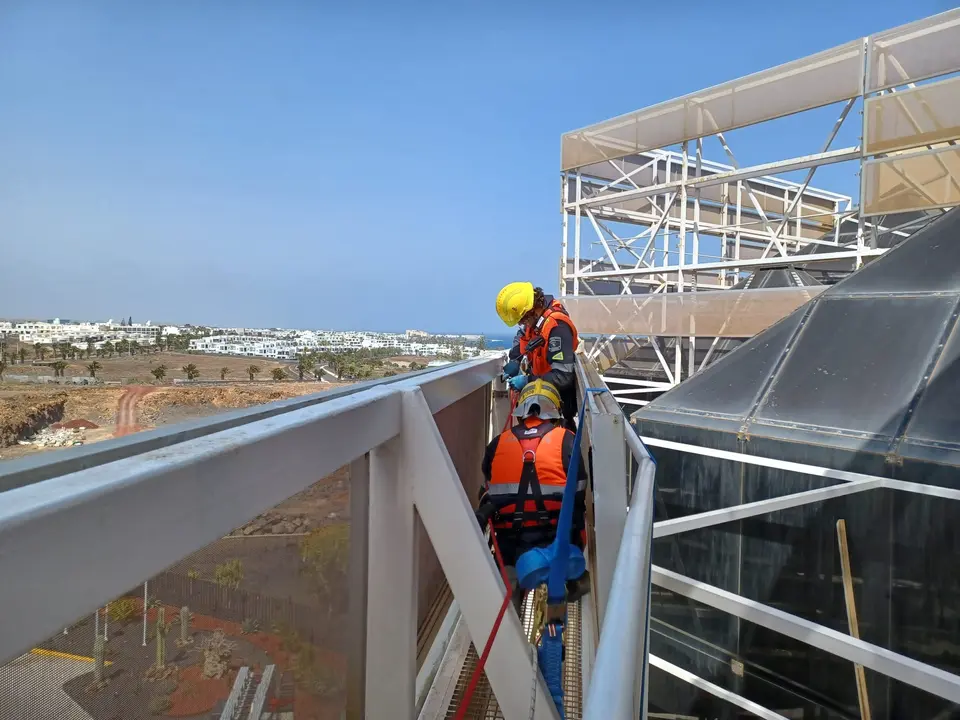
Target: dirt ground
{"x":24,"y":410}
{"x":136,"y":368}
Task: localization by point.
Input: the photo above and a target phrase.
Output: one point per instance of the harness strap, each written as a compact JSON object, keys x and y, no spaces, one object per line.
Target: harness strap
{"x":528,"y":476}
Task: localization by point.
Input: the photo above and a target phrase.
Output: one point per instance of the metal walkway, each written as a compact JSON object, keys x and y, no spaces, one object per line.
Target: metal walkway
{"x":483,"y":705}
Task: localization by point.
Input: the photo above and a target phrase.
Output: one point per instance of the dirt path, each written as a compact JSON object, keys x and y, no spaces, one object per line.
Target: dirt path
{"x":127,"y":410}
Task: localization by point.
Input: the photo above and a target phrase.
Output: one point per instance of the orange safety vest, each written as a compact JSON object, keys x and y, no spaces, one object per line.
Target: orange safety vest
{"x":556,"y":313}
{"x":529,"y":460}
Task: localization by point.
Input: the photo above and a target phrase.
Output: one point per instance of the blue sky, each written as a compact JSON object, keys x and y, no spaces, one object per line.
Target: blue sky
{"x":304,"y":164}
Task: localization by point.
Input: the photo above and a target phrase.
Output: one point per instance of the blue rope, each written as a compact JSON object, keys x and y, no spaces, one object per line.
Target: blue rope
{"x":550,"y":659}
{"x":550,"y":652}
{"x":557,"y":579}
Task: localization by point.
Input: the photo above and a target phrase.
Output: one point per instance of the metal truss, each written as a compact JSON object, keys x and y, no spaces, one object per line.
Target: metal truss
{"x":647,"y":171}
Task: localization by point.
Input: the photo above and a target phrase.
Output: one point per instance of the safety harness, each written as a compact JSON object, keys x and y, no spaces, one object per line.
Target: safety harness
{"x":529,"y":439}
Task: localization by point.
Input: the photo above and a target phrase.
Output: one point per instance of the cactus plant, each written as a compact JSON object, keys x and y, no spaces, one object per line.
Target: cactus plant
{"x":99,"y":650}
{"x":161,"y":639}
{"x":185,"y":638}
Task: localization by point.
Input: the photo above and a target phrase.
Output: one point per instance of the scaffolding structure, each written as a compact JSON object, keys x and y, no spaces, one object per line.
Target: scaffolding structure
{"x":682,"y":239}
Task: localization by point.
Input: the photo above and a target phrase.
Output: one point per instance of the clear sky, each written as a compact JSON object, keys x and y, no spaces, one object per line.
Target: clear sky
{"x":307,"y":164}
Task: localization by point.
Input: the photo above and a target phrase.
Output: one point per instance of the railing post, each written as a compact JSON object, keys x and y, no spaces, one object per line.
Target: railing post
{"x":357,"y":586}
{"x":604,"y":431}
{"x":500,"y":408}
{"x":391,"y":657}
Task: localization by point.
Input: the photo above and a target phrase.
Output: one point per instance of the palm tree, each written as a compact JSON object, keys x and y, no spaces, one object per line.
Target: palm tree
{"x":39,"y":351}
{"x":23,"y":354}
{"x":253,"y":370}
{"x":133,"y":347}
{"x":318,"y":373}
{"x":93,"y":367}
{"x":159,"y":372}
{"x":305,"y":364}
{"x":58,"y":367}
{"x":3,"y":367}
{"x":191,"y":371}
{"x":224,"y":371}
{"x":108,"y":348}
{"x":278,"y":374}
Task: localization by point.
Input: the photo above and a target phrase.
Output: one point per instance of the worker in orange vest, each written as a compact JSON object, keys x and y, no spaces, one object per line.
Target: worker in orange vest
{"x":525,"y":471}
{"x":547,"y":339}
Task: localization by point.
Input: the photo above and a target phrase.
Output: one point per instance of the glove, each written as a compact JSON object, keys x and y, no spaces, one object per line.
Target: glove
{"x":517,"y":382}
{"x":511,"y":369}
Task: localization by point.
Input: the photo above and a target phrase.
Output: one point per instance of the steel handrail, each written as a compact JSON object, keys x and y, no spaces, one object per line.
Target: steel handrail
{"x":619,"y":676}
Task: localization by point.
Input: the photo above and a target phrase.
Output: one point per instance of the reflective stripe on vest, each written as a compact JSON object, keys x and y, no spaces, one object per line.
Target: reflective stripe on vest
{"x":528,"y":467}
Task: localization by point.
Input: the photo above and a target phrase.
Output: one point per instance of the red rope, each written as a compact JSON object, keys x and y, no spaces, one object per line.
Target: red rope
{"x":513,"y":406}
{"x":475,"y":678}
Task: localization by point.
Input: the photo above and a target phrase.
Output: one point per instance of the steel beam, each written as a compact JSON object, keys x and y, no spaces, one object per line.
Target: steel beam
{"x":781,"y":166}
{"x":455,"y":535}
{"x":67,"y":527}
{"x":752,"y":263}
{"x":715,"y":690}
{"x":391,"y":671}
{"x":901,"y":668}
{"x":761,"y":507}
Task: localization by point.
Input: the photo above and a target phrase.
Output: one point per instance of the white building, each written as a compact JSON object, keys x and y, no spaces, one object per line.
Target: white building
{"x":35,"y":331}
{"x":250,"y":345}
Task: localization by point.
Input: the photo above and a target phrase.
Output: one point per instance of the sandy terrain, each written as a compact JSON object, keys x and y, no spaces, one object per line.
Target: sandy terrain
{"x":122,"y":410}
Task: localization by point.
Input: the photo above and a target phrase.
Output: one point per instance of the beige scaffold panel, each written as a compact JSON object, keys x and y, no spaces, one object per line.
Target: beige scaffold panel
{"x":723,"y":313}
{"x":925,"y":115}
{"x":915,"y":181}
{"x":810,"y":82}
{"x":913,"y":52}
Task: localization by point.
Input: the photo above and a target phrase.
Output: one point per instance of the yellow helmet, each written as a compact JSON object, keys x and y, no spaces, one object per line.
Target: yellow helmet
{"x":541,"y":395}
{"x":515,"y":301}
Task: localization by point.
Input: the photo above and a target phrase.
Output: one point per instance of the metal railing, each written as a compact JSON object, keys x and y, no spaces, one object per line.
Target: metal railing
{"x":93,"y":522}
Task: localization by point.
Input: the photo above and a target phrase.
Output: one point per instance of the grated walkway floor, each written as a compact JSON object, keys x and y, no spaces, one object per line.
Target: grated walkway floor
{"x":483,"y":705}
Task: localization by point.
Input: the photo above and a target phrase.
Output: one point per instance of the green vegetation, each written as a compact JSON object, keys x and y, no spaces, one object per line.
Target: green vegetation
{"x":253,"y":370}
{"x":58,"y":367}
{"x":123,"y":610}
{"x":191,"y":371}
{"x":93,"y":367}
{"x":159,"y":372}
{"x":310,"y":671}
{"x":224,"y":371}
{"x":229,"y":574}
{"x":325,"y":552}
{"x":159,"y":704}
{"x":278,"y":374}
{"x":305,"y":364}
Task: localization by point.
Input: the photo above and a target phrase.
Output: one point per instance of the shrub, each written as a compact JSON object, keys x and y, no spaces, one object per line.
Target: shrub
{"x":249,"y":625}
{"x":229,"y":574}
{"x":159,"y":705}
{"x":325,"y":552}
{"x":124,"y":610}
{"x":193,"y":574}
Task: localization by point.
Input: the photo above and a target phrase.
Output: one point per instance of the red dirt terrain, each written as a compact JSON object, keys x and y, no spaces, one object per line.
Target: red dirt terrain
{"x":127,"y":410}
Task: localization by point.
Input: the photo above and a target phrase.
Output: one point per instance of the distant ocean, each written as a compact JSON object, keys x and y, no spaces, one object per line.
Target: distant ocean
{"x":499,"y":341}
